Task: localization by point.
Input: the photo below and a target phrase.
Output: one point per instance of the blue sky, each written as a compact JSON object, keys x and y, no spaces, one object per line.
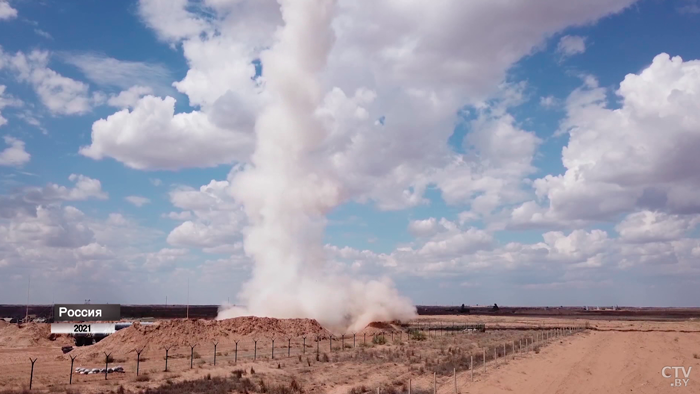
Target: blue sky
{"x":539,"y":194}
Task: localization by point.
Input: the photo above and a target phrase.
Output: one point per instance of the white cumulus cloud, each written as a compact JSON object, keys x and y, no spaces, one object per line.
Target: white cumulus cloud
{"x":137,"y":200}
{"x":14,"y":155}
{"x":130,"y":97}
{"x":652,"y":226}
{"x":6,"y":11}
{"x":571,"y":45}
{"x":85,"y":188}
{"x":152,"y":136}
{"x":61,"y":95}
{"x":617,"y":160}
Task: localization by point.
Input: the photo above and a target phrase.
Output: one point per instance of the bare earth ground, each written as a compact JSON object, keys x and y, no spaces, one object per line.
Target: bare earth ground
{"x":610,"y":357}
{"x":598,"y":362}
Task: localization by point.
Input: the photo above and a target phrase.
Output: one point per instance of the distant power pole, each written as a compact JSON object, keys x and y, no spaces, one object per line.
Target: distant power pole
{"x":26,"y":314}
{"x":188,"y":297}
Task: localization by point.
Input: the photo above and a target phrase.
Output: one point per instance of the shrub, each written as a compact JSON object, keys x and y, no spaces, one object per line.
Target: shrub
{"x":417,"y":335}
{"x":379,"y":340}
{"x":446,"y":365}
{"x":214,"y":385}
{"x":295,"y":386}
{"x":143,"y":378}
{"x":359,"y":390}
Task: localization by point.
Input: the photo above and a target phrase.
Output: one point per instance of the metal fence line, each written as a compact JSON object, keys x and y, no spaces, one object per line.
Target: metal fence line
{"x":178,"y":359}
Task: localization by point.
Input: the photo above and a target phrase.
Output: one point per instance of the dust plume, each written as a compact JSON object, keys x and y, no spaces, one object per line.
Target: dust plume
{"x":290,"y":186}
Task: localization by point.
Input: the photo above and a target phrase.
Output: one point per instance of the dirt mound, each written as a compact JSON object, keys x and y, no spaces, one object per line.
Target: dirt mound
{"x":378,"y":327}
{"x":179,"y":333}
{"x":30,"y":335}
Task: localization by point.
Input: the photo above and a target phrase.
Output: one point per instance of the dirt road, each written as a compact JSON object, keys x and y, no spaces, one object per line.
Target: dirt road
{"x":594,"y":362}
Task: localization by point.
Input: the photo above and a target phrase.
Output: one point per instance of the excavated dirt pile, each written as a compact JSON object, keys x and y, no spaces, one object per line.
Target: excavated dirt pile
{"x":179,"y":333}
{"x":379,"y":327}
{"x":30,"y":335}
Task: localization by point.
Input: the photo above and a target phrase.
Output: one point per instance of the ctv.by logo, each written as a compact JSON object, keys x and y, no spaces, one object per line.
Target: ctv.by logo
{"x":677,"y":380}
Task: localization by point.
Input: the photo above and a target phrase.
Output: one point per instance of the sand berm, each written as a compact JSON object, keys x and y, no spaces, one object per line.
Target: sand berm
{"x":181,"y":332}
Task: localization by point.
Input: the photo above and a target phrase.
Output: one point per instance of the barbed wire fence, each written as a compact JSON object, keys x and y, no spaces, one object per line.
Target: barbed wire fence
{"x":263,"y":350}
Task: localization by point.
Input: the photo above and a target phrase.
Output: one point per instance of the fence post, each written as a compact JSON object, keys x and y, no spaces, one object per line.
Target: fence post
{"x":495,"y":355}
{"x":235,"y":354}
{"x":330,"y":344}
{"x":72,"y":358}
{"x":505,"y":352}
{"x":304,"y":346}
{"x":364,"y":342}
{"x":454,"y":372}
{"x":106,"y":363}
{"x":471,"y":365}
{"x":167,"y":349}
{"x":409,"y":385}
{"x":434,"y":382}
{"x":318,"y":341}
{"x":289,"y":347}
{"x":31,"y":375}
{"x":342,"y":342}
{"x":255,"y":351}
{"x":484,"y":360}
{"x":513,"y":350}
{"x":215,"y":344}
{"x":138,"y":361}
{"x":273,"y":349}
{"x":191,"y":355}
{"x":353,"y":341}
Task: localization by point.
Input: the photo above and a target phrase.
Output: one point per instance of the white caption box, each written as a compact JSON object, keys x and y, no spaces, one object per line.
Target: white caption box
{"x":82,"y":328}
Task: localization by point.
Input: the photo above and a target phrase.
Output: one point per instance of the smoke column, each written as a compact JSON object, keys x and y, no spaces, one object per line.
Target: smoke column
{"x":290,"y":187}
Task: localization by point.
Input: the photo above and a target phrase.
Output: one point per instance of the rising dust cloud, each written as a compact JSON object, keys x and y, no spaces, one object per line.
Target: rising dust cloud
{"x":289,"y":188}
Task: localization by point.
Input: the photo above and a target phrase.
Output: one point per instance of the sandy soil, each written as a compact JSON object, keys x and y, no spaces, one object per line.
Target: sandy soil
{"x":610,"y":357}
{"x":29,"y":335}
{"x":596,"y":362}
